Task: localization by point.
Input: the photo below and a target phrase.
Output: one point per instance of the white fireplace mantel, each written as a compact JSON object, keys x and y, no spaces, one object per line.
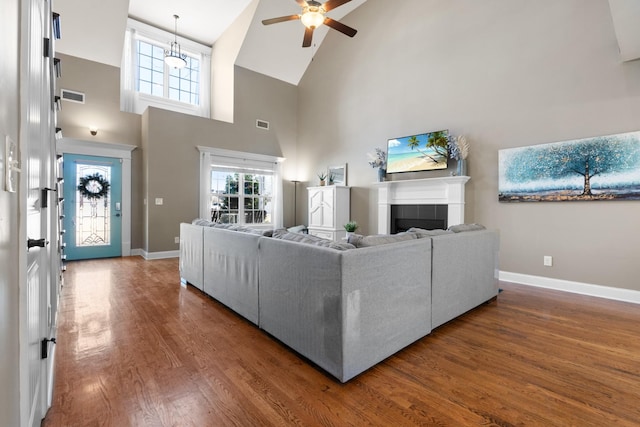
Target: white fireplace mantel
{"x":448,"y":190}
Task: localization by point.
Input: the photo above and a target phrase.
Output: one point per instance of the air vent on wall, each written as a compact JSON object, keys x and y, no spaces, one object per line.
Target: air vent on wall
{"x":262,"y":124}
{"x":70,"y":95}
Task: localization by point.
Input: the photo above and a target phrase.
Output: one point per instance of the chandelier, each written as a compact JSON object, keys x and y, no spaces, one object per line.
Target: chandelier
{"x":174,"y":57}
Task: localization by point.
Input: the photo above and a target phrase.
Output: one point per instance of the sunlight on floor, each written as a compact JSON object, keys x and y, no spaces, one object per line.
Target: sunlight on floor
{"x":93,"y":313}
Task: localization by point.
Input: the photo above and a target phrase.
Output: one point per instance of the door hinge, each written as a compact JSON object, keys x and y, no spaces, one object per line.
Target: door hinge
{"x":44,"y":197}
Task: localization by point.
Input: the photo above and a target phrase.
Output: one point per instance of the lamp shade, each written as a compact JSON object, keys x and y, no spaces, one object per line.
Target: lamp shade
{"x":175,"y":61}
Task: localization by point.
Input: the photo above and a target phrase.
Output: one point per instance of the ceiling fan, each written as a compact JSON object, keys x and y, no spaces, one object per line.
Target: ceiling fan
{"x":312,"y":16}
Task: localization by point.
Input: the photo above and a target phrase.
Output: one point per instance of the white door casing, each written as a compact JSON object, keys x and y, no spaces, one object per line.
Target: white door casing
{"x":115,"y":150}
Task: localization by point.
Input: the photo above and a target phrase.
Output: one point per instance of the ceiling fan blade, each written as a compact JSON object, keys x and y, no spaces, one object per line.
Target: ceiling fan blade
{"x":308,"y":34}
{"x":340,"y":27}
{"x":280,"y":19}
{"x":332,"y":4}
{"x":303,"y":3}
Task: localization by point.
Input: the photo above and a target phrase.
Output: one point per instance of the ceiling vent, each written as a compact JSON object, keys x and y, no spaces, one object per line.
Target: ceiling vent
{"x":262,"y":124}
{"x":72,"y":96}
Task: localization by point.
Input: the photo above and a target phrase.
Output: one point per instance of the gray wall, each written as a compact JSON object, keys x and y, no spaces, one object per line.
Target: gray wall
{"x":505,"y":73}
{"x":101,"y":85}
{"x":166,"y":165}
{"x":171,"y":157}
{"x":9,"y":299}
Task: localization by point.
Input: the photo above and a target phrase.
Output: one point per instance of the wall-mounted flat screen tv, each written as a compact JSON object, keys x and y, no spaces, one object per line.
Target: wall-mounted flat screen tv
{"x":415,"y":153}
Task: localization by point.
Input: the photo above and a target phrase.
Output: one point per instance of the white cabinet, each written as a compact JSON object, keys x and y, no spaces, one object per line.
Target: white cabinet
{"x":329,"y":210}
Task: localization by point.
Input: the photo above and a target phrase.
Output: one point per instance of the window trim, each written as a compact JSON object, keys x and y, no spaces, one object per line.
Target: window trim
{"x":133,"y":101}
{"x":240,"y":159}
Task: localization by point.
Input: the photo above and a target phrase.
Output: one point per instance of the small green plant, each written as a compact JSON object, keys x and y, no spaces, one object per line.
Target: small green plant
{"x":351,"y":226}
{"x":332,"y":178}
{"x":322,"y":176}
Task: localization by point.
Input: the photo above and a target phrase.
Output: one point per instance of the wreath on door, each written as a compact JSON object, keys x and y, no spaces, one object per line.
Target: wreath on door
{"x":93,"y":186}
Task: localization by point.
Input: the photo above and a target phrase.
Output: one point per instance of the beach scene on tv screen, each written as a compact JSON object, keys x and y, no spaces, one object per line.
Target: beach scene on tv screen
{"x":427,"y":151}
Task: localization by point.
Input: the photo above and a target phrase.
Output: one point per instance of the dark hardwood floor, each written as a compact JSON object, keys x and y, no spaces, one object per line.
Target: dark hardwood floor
{"x":136,"y":349}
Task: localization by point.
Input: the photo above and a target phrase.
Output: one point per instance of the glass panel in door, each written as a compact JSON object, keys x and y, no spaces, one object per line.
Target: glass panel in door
{"x":93,"y":206}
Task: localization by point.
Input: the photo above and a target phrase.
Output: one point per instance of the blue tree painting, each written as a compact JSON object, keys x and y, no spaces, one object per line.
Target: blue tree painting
{"x":600,"y":168}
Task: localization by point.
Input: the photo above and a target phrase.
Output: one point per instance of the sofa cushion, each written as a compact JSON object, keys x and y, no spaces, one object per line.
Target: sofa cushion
{"x":421,"y":232}
{"x":360,"y":241}
{"x":309,"y":239}
{"x":466,"y":227}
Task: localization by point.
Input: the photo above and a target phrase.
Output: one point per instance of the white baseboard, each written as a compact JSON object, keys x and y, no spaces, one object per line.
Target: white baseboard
{"x":155,"y":255}
{"x":618,"y":294}
{"x":137,"y":252}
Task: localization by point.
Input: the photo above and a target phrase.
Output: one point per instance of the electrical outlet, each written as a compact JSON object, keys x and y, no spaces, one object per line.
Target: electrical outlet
{"x":176,"y":239}
{"x":159,"y":201}
{"x":548,"y":261}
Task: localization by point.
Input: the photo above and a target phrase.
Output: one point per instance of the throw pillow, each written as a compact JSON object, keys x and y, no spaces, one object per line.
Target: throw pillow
{"x":421,"y":232}
{"x":466,"y":227}
{"x":223,"y":226}
{"x":256,"y":231}
{"x":203,"y":222}
{"x":382,"y":239}
{"x":301,"y":229}
{"x":354,"y":239}
{"x":309,"y":239}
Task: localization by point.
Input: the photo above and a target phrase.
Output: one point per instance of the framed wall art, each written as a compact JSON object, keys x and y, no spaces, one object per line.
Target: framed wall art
{"x":598,"y":168}
{"x":337,"y":175}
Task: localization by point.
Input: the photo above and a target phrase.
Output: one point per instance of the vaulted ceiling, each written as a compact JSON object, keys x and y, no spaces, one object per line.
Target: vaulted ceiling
{"x":94,"y":30}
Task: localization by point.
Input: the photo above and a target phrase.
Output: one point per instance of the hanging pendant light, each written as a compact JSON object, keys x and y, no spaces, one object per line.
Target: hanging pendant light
{"x":174,"y":57}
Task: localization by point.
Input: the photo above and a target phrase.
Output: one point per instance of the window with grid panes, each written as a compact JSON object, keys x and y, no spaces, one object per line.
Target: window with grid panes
{"x":157,"y":79}
{"x":241,"y":196}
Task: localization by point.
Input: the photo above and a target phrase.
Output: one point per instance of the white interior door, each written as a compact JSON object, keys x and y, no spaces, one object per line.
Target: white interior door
{"x":35,"y":142}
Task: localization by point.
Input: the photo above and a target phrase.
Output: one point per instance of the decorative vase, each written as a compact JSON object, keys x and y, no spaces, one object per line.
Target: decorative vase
{"x":322,"y":182}
{"x":382,"y":173}
{"x":462,"y":167}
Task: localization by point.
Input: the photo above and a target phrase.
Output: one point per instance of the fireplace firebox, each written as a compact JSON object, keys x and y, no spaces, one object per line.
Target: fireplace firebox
{"x":428,"y":217}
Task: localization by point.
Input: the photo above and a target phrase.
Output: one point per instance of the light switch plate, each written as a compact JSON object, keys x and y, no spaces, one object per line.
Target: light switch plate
{"x":159,"y":201}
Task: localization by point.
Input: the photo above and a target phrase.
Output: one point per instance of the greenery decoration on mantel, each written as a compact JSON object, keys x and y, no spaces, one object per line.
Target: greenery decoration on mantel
{"x":93,"y":186}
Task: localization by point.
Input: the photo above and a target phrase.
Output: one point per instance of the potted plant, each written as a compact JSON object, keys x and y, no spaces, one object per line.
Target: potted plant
{"x":322,"y":176}
{"x":350,"y":228}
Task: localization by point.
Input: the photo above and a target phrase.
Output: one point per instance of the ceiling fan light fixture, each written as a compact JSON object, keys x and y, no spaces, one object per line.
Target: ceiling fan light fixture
{"x":312,"y":17}
{"x":174,"y":57}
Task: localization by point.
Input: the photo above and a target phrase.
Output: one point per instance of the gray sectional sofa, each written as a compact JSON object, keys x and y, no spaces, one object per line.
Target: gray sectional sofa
{"x":344,"y":307}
